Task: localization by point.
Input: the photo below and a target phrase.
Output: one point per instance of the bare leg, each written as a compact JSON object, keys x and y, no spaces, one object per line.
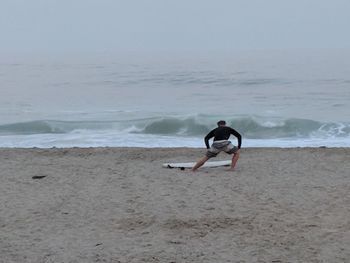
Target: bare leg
{"x":200,"y":163}
{"x":234,"y":160}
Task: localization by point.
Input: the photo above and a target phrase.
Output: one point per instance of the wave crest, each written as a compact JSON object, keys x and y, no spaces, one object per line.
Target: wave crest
{"x":249,"y":127}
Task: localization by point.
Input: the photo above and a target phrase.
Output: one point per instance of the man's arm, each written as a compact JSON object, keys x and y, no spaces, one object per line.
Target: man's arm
{"x":208,"y":137}
{"x":239,"y":137}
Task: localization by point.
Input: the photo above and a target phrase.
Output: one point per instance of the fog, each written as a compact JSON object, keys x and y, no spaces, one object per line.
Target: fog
{"x":171,"y":25}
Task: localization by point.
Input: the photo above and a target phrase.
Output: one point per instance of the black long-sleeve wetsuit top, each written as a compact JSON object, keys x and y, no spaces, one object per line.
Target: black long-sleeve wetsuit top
{"x":222,"y":133}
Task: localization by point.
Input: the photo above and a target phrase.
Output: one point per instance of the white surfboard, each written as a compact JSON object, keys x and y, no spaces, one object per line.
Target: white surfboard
{"x":190,"y":165}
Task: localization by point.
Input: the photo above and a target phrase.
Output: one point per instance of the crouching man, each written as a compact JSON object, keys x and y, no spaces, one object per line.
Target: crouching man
{"x":221,"y":143}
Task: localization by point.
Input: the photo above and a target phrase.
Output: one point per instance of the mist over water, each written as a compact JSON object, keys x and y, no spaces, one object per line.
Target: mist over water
{"x":274,"y":98}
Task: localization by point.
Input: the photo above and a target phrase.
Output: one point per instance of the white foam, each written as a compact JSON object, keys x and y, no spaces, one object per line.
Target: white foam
{"x":112,"y":139}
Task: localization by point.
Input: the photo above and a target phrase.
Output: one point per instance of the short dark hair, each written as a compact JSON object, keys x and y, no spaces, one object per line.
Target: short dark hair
{"x":222,"y":122}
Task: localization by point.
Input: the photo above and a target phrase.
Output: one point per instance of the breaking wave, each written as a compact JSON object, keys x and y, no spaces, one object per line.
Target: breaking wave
{"x":249,"y":127}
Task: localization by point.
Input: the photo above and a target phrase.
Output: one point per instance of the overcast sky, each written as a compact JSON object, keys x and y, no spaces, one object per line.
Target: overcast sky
{"x":172,"y":25}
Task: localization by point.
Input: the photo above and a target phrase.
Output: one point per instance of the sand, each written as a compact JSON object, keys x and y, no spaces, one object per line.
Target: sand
{"x":120,"y":205}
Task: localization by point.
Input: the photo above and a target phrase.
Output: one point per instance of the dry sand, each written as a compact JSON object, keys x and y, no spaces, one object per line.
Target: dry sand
{"x":119,"y":205}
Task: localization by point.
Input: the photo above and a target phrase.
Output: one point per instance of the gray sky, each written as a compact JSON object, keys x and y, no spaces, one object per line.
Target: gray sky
{"x":172,"y":25}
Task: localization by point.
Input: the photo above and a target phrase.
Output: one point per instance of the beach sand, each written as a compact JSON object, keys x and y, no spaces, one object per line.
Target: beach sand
{"x":120,"y":205}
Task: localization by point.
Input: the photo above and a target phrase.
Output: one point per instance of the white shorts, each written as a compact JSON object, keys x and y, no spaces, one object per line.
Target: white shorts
{"x":219,"y":146}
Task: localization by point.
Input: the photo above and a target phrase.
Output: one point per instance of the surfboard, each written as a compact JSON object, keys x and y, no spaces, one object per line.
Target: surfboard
{"x":190,"y":165}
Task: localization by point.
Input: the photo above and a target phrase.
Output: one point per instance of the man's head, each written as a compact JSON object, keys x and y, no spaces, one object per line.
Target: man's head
{"x":221,"y":123}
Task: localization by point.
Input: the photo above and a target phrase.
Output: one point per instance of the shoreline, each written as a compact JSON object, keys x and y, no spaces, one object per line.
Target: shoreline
{"x":168,"y":147}
{"x":119,"y":205}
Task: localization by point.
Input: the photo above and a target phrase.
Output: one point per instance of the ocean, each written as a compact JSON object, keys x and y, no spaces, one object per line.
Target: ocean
{"x":281,"y":98}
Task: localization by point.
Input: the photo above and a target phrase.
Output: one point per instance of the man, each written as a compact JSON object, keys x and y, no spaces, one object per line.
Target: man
{"x":221,"y":143}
